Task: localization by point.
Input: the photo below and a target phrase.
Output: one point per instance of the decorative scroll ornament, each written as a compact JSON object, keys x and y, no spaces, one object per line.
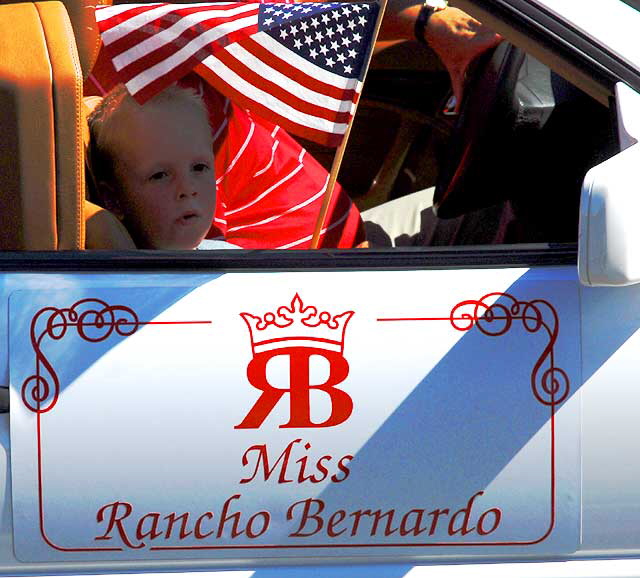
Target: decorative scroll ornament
{"x":549,"y":383}
{"x":93,"y":319}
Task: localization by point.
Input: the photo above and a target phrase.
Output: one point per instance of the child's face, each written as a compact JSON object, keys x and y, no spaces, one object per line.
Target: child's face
{"x":164,"y":168}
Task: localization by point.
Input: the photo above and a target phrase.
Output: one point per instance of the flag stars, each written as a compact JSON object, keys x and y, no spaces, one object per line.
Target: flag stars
{"x":325,"y":34}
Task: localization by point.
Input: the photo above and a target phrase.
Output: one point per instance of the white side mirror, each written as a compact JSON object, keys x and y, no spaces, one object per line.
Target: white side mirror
{"x":609,"y":237}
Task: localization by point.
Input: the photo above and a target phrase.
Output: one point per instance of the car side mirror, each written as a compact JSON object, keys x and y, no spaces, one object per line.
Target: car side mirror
{"x":609,"y":232}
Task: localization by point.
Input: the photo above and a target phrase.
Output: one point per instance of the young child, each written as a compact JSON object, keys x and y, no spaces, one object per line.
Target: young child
{"x":153,"y":167}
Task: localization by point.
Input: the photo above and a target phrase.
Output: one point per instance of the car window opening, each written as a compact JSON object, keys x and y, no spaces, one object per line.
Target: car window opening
{"x":505,"y":169}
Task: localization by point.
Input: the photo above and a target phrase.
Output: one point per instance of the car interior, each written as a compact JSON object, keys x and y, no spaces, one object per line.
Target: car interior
{"x":507,"y":169}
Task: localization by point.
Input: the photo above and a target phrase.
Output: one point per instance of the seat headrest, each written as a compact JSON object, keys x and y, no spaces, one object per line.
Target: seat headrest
{"x":83,"y":20}
{"x":82,"y":14}
{"x":85,"y":29}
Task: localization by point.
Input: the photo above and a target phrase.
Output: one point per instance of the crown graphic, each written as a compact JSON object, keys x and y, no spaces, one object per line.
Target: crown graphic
{"x":297,"y":326}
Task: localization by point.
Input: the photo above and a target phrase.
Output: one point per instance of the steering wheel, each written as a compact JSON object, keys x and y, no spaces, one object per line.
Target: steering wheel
{"x":478,"y":160}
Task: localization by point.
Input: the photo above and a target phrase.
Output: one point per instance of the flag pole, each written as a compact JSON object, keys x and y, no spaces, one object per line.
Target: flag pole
{"x":337,"y":159}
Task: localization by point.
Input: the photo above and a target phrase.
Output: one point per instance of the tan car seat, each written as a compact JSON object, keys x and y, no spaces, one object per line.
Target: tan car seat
{"x":42,"y":178}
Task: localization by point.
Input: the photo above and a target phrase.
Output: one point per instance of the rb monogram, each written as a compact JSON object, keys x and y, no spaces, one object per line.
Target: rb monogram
{"x":299,"y":333}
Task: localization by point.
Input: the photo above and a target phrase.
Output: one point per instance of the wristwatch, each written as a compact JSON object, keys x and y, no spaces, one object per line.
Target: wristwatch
{"x":426,"y":10}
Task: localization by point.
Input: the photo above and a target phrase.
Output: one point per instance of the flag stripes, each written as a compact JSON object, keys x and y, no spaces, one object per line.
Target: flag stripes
{"x":193,"y":22}
{"x":246,"y":95}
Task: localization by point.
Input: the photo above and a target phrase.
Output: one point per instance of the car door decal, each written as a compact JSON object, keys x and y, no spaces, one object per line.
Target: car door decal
{"x":273,"y":418}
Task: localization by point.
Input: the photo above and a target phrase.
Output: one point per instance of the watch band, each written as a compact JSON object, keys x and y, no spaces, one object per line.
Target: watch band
{"x":426,"y":10}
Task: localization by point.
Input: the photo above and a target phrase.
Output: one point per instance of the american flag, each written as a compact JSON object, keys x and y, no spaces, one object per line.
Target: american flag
{"x":298,"y":65}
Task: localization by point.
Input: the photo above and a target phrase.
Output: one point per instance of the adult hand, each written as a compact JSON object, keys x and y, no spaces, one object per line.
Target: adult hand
{"x":458,"y":39}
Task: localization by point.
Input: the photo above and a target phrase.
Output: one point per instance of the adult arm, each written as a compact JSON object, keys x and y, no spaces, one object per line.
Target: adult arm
{"x":455,"y":36}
